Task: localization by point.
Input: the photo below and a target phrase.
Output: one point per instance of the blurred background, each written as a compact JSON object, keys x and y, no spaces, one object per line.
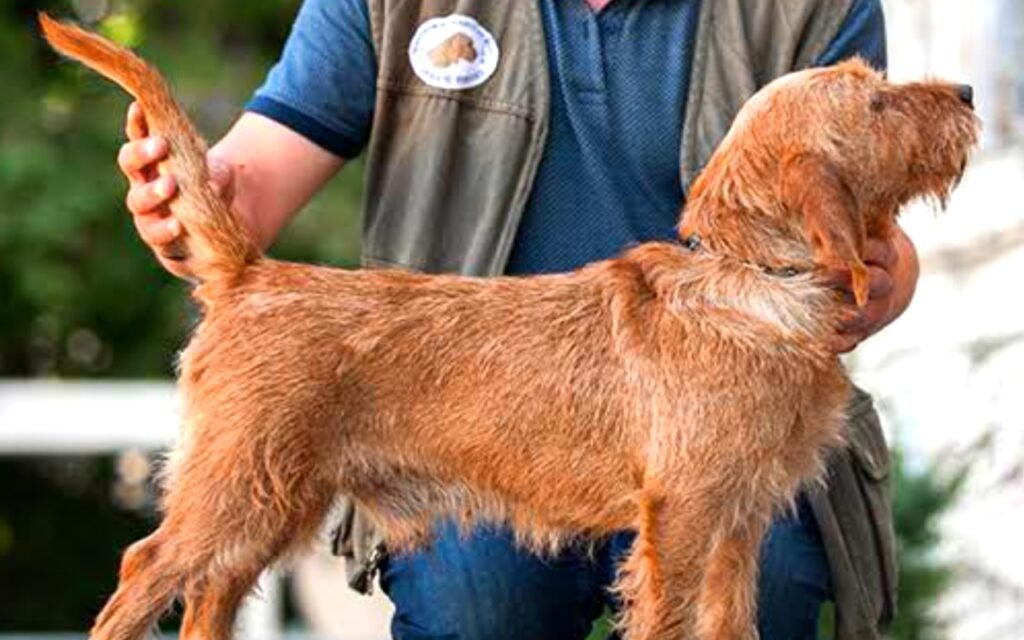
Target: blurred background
{"x":89,"y":326}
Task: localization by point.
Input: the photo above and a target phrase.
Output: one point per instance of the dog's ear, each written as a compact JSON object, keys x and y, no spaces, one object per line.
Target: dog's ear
{"x":813,"y":189}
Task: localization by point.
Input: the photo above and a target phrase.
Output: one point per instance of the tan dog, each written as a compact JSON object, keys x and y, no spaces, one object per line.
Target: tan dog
{"x":455,"y":48}
{"x":682,"y":391}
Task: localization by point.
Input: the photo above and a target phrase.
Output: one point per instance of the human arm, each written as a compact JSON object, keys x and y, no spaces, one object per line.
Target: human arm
{"x":893,"y":269}
{"x":265,"y":190}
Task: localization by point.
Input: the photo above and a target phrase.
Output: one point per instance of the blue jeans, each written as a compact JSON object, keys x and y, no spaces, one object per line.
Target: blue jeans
{"x":483,"y":587}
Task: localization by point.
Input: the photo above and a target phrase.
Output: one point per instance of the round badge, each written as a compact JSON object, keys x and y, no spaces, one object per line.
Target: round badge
{"x":453,"y":52}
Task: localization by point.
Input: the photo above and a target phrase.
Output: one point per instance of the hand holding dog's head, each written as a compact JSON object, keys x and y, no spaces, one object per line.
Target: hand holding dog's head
{"x":822,"y":159}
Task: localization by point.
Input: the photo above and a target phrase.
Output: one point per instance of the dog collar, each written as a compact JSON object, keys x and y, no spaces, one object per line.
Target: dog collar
{"x":693,"y":243}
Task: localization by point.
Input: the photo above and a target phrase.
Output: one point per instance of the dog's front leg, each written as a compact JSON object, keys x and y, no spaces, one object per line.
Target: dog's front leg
{"x":660,"y":580}
{"x":728,"y":594}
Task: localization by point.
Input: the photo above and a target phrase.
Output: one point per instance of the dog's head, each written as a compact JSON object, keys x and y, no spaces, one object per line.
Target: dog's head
{"x":821,"y":159}
{"x":455,"y":48}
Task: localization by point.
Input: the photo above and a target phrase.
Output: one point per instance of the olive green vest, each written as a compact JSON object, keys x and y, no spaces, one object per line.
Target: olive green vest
{"x":449,"y":173}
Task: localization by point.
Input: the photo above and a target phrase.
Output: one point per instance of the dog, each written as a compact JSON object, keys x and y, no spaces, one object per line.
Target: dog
{"x":455,"y":48}
{"x":683,"y":390}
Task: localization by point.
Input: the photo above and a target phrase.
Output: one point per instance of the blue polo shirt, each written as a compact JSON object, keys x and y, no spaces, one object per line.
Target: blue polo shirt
{"x":609,"y":177}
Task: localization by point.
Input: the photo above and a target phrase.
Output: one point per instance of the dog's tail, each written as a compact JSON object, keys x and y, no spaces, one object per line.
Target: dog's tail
{"x":216,"y":244}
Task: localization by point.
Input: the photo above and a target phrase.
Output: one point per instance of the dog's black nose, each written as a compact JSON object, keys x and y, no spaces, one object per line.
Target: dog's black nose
{"x":966,"y":93}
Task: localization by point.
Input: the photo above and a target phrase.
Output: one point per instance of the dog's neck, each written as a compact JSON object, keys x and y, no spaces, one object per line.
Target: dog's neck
{"x":793,"y":308}
{"x":694,"y":243}
{"x":748,"y":224}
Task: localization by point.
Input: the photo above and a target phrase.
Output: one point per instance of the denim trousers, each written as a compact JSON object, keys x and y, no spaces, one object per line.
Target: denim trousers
{"x":483,"y":587}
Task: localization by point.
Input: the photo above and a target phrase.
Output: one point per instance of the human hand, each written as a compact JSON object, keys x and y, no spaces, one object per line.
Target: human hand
{"x":893,"y":271}
{"x":149,"y":193}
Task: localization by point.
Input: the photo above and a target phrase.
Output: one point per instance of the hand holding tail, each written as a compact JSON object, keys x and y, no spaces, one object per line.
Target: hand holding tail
{"x":214,"y":243}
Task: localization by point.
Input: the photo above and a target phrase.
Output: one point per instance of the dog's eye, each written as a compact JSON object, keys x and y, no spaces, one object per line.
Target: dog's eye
{"x":877,"y":103}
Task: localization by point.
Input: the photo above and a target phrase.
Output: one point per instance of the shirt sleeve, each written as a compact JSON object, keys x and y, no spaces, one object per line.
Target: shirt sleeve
{"x":861,"y":34}
{"x":324,"y":85}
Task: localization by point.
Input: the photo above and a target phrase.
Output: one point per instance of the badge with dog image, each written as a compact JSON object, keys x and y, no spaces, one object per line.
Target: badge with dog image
{"x":453,"y":52}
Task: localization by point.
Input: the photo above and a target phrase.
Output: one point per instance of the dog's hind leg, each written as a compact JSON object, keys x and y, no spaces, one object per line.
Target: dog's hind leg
{"x":147,"y":587}
{"x":235,"y":550}
{"x":234,"y":503}
{"x":228,"y":532}
{"x":211,"y":609}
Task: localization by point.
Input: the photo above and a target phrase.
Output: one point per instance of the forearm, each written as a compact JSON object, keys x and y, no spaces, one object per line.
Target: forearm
{"x":893,"y":269}
{"x":275,"y":173}
{"x":905,"y":272}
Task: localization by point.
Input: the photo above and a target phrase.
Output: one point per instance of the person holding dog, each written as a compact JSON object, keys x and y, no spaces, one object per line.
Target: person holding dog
{"x":534,"y":137}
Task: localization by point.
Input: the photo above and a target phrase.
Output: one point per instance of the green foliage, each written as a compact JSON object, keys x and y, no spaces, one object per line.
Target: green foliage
{"x":921,"y":499}
{"x":80,"y":295}
{"x":603,"y":627}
